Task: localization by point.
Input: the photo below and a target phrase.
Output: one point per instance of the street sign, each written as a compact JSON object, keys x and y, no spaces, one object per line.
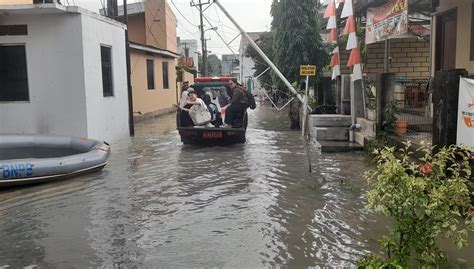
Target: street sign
{"x":308,"y":70}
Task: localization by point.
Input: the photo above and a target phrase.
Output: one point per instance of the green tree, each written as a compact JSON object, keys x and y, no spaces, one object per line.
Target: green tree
{"x":265,"y":43}
{"x":296,"y":37}
{"x":214,"y":65}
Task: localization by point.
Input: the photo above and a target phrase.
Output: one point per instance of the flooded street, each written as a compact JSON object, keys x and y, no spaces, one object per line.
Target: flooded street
{"x":159,"y":204}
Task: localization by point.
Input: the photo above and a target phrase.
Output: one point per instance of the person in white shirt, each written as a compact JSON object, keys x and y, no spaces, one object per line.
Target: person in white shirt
{"x":198,"y":112}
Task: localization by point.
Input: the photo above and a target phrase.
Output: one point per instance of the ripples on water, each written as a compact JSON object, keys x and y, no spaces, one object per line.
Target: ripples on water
{"x":161,"y":204}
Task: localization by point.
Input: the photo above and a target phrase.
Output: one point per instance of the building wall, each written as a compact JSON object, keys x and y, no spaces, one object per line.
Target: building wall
{"x":171,"y":25}
{"x":228,"y":67}
{"x":410,"y":58}
{"x":107,"y":117}
{"x":55,"y":77}
{"x":247,"y":66}
{"x":192,"y":45}
{"x":137,"y":28}
{"x":151,"y":101}
{"x":162,"y":22}
{"x":463,"y":35}
{"x":15,"y":2}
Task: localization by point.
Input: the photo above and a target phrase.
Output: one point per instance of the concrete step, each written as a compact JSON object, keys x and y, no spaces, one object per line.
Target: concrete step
{"x":332,"y":133}
{"x":360,"y":138}
{"x":339,"y":146}
{"x":367,"y":126}
{"x":331,"y":120}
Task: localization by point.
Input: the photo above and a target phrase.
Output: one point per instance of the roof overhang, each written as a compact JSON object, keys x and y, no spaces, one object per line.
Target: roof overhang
{"x":51,"y":9}
{"x":153,"y":50}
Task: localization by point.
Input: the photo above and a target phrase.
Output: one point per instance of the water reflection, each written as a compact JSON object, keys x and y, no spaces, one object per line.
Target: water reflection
{"x":161,"y":204}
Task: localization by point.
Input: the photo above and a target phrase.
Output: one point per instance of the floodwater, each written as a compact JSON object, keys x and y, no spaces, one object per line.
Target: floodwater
{"x":159,"y":204}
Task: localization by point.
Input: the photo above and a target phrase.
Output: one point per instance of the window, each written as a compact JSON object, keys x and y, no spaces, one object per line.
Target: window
{"x":150,"y":74}
{"x":13,"y":30}
{"x":13,"y":74}
{"x":107,"y":80}
{"x":166,"y":82}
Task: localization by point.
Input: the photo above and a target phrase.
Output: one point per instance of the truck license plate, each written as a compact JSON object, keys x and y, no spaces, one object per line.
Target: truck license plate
{"x":210,"y":135}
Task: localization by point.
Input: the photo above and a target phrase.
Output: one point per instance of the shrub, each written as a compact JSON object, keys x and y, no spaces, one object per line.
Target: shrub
{"x":427,"y":198}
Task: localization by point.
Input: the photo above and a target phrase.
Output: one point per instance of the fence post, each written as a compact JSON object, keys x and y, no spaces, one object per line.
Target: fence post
{"x":346,"y":94}
{"x":385,"y":85}
{"x":445,"y":102}
{"x":337,"y":90}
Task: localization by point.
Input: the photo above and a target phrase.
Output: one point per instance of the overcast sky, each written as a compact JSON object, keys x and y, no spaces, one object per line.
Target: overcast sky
{"x":252,"y":15}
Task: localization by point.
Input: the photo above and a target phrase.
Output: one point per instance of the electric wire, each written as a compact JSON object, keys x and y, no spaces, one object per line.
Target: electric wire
{"x":184,"y":17}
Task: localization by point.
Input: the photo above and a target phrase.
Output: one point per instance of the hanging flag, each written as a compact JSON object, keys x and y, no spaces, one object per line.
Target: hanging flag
{"x":336,"y":71}
{"x":331,"y":23}
{"x":354,"y":58}
{"x":350,"y":30}
{"x":347,"y":10}
{"x":350,"y":26}
{"x":335,"y":63}
{"x":330,"y":10}
{"x":356,"y":72}
{"x":335,"y":57}
{"x":332,"y":36}
{"x":352,"y":41}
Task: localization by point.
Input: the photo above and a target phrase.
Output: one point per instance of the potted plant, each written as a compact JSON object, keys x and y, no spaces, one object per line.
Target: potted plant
{"x":391,"y":123}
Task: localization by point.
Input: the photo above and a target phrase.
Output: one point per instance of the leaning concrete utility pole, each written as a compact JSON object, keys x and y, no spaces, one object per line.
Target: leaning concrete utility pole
{"x":260,"y":52}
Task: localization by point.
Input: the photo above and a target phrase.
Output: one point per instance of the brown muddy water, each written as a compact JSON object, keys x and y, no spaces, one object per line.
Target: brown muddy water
{"x":159,"y":204}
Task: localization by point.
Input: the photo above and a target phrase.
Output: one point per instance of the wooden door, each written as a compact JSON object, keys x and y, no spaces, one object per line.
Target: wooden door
{"x":446,"y":33}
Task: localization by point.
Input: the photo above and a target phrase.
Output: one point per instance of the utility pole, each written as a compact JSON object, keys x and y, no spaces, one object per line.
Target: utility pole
{"x":111,"y":11}
{"x":260,"y":52}
{"x":203,"y":41}
{"x":131,"y":124}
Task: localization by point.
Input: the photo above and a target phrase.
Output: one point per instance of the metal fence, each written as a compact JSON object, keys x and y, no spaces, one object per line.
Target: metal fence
{"x":413,"y":110}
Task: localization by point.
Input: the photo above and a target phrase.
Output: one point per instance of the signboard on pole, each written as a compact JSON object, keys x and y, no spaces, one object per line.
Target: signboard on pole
{"x":465,"y":132}
{"x":308,"y":70}
{"x":387,"y":21}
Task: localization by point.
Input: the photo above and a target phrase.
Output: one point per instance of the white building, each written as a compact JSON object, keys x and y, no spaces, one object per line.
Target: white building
{"x":63,"y":71}
{"x":230,"y":66}
{"x":189,"y":48}
{"x":247,"y":64}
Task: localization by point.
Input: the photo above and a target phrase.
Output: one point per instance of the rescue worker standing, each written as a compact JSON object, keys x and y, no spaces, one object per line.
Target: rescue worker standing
{"x":238,"y":106}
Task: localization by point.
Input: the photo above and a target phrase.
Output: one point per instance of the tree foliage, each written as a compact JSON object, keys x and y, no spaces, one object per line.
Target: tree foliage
{"x":265,"y":43}
{"x":296,"y":36}
{"x":214,"y":65}
{"x":427,"y":198}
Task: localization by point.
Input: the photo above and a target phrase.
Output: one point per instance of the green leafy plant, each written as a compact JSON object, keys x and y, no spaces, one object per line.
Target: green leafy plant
{"x":389,"y":113}
{"x":371,"y":91}
{"x":380,"y":141}
{"x":427,"y":198}
{"x":312,"y":102}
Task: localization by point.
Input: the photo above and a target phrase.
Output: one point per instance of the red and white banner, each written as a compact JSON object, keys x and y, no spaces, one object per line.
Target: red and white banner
{"x":465,"y":132}
{"x":387,"y":21}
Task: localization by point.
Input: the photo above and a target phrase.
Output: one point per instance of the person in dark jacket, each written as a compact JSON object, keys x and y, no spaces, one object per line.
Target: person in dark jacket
{"x":235,"y":112}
